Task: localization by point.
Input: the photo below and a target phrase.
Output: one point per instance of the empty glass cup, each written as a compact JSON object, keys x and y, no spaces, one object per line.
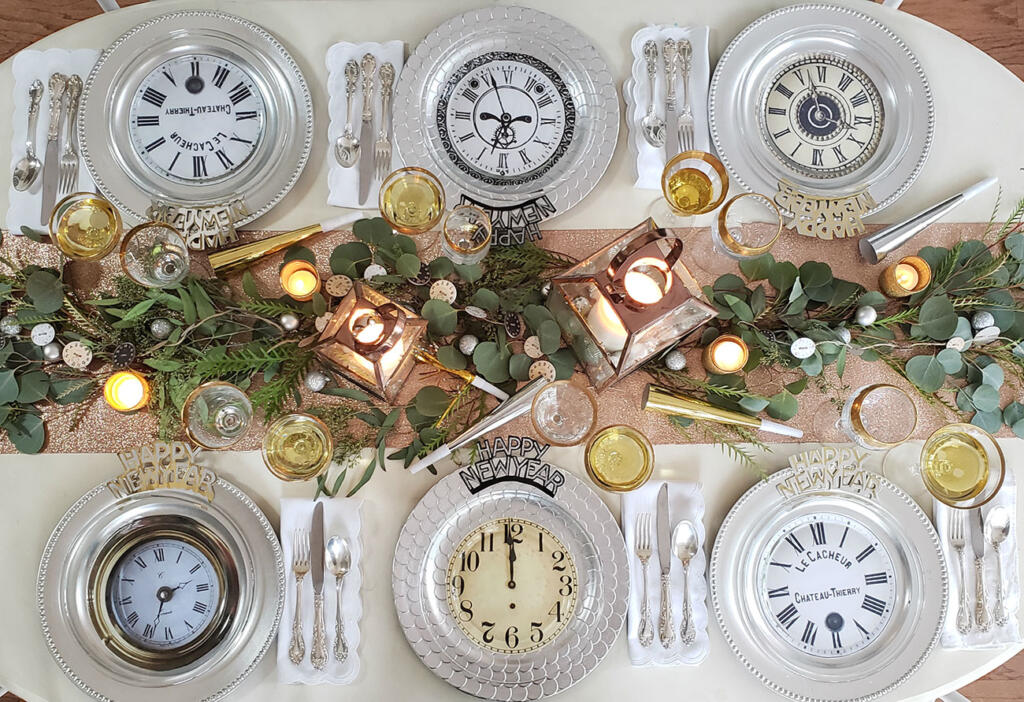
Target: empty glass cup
{"x":748,"y":225}
{"x":154,"y":255}
{"x":563,"y":413}
{"x":216,"y":415}
{"x":466,"y":236}
{"x":879,"y":416}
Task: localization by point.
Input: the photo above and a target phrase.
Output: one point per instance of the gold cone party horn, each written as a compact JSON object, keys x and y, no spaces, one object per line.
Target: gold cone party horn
{"x":667,"y":402}
{"x":424,"y":356}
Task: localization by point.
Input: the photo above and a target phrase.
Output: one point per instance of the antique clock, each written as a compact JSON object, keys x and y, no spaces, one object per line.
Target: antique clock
{"x":510,"y":575}
{"x":514,"y":110}
{"x":827,"y":580}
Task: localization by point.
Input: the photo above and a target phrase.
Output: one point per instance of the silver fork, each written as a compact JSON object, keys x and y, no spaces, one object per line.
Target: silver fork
{"x":957,"y":537}
{"x":382,"y":149}
{"x":68,"y":175}
{"x":300,"y":566}
{"x":642,"y":537}
{"x":684,"y":54}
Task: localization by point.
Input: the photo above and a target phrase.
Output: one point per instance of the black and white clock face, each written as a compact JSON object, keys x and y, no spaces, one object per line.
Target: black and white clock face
{"x":197,"y":118}
{"x":829,"y":585}
{"x":822,"y":117}
{"x":163,"y":594}
{"x":505,"y":118}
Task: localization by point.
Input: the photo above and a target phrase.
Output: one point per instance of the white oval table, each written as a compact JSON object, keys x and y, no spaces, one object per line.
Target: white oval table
{"x":977,"y":102}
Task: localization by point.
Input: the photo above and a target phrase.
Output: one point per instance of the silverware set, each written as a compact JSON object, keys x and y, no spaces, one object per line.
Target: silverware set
{"x":372,"y":156}
{"x":680,"y":543}
{"x":993,"y":529}
{"x":676,"y":131}
{"x":311,"y":555}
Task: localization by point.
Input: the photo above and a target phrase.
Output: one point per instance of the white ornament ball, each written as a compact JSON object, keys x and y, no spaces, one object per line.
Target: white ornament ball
{"x":52,"y":351}
{"x":545,"y":289}
{"x":582,"y":303}
{"x":956,"y":343}
{"x":986,"y":335}
{"x":289,"y":321}
{"x":467,"y":344}
{"x":843,"y":335}
{"x":866,"y":315}
{"x":443,"y":290}
{"x":316,"y":381}
{"x":10,"y":325}
{"x":982,"y":319}
{"x":675,"y":360}
{"x":373,"y":270}
{"x":161,"y":328}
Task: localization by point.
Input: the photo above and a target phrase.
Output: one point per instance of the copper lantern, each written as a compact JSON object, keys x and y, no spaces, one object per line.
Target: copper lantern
{"x":370,"y":340}
{"x":627,"y":302}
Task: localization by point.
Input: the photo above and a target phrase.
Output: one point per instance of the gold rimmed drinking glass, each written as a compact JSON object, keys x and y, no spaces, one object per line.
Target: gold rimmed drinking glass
{"x":879,"y":416}
{"x":962,"y":466}
{"x":85,"y":226}
{"x":412,"y":200}
{"x":154,"y":255}
{"x":216,"y":415}
{"x":466,"y":234}
{"x":564,"y":413}
{"x":297,"y":447}
{"x":748,"y":225}
{"x":694,"y":183}
{"x":619,"y":458}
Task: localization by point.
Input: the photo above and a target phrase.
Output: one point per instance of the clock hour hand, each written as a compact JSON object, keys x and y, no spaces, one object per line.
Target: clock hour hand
{"x":488,"y":115}
{"x":511,"y":558}
{"x":522,"y":118}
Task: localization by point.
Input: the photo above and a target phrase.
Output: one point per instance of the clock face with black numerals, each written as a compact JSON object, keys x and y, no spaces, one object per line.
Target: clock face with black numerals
{"x":512,"y":586}
{"x":822,"y":116}
{"x":829,"y":585}
{"x":505,"y":118}
{"x":197,"y":118}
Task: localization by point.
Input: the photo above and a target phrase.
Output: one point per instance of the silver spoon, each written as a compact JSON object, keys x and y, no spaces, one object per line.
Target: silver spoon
{"x":684,"y":544}
{"x":652,"y":125}
{"x":346,"y":147}
{"x":339,"y":561}
{"x":27,"y":169}
{"x":997,"y":528}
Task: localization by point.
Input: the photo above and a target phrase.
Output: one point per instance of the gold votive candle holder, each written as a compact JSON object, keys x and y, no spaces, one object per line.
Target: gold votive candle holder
{"x":126,"y":391}
{"x":300,"y":280}
{"x":905,"y":277}
{"x":725,"y":354}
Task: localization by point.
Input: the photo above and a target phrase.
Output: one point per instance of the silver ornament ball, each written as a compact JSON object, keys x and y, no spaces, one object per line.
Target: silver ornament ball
{"x":316,"y":381}
{"x":675,"y":360}
{"x":467,"y":344}
{"x":52,"y":351}
{"x":545,"y":289}
{"x":865,"y":315}
{"x":289,"y":321}
{"x":10,"y":325}
{"x":161,"y":328}
{"x":982,"y":319}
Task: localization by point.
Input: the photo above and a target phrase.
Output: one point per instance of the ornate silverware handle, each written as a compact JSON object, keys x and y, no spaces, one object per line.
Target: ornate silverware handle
{"x":999,"y":610}
{"x":351,"y":81}
{"x":35,"y":96}
{"x":685,"y":54}
{"x":670,"y":73}
{"x":665,"y":630}
{"x":387,"y":80}
{"x":651,"y":58}
{"x":318,"y":652}
{"x":645,"y":630}
{"x":74,"y":87}
{"x":963,"y":612}
{"x":687,"y":633}
{"x":981,"y":618}
{"x":57,"y":84}
{"x":297,"y":647}
{"x":340,"y":645}
{"x":369,"y":65}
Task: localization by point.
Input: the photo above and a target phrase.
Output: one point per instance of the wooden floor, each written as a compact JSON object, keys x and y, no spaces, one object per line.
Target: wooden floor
{"x":994,"y":26}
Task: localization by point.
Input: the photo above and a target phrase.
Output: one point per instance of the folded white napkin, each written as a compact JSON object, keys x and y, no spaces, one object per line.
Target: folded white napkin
{"x":685,"y":501}
{"x":996,"y":636}
{"x":650,"y":161}
{"x":343,"y":183}
{"x":341,"y":518}
{"x":29,"y":65}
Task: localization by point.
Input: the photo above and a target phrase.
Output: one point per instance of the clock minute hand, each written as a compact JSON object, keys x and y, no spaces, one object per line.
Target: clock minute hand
{"x":511,"y":542}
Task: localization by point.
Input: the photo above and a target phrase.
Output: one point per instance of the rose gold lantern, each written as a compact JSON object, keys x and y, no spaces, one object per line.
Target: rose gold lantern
{"x":627,"y":302}
{"x":370,"y":340}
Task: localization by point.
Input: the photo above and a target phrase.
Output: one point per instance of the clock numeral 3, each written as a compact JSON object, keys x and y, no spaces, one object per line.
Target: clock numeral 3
{"x":566,"y":588}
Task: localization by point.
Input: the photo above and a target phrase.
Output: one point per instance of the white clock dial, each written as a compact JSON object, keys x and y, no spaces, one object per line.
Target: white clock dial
{"x":822,"y":117}
{"x":828,"y":585}
{"x":506,"y":118}
{"x":163,"y":594}
{"x":196,"y":118}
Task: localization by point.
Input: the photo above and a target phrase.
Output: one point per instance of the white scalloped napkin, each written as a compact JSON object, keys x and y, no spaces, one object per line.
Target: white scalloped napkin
{"x":996,"y":636}
{"x":343,"y":183}
{"x":650,"y":161}
{"x":341,"y":518}
{"x":24,"y":207}
{"x":685,"y":501}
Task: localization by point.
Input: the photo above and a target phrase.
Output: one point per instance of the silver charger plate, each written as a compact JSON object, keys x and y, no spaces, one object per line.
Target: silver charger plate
{"x":103,"y":129}
{"x":902,"y":529}
{"x":63,"y":590}
{"x":524,"y":31}
{"x":756,"y":55}
{"x":432,"y":533}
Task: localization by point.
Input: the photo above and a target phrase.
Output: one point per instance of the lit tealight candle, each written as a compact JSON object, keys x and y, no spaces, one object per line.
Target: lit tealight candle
{"x":126,"y":391}
{"x":647,"y":280}
{"x":300,"y":279}
{"x":725,"y":354}
{"x":367,"y":326}
{"x":905,"y":277}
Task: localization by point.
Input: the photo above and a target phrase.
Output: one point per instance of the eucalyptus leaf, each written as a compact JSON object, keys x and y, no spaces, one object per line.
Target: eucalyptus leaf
{"x":740,"y":308}
{"x":298,"y":253}
{"x":564,"y":362}
{"x":27,"y":432}
{"x":1014,"y":245}
{"x":432,"y":401}
{"x":872,"y":298}
{"x":138,"y":310}
{"x":1013,"y":413}
{"x":964,"y":399}
{"x":986,"y":398}
{"x":989,"y":421}
{"x":753,"y":405}
{"x":841,"y":361}
{"x":535,"y":315}
{"x":550,"y":336}
{"x":933,"y":255}
{"x":351,"y":259}
{"x":519,"y":366}
{"x":1002,"y":309}
{"x":469,"y":272}
{"x":8,"y":387}
{"x":1018,"y":429}
{"x":487,"y":299}
{"x":963,"y":331}
{"x":188,"y":307}
{"x":441,"y":267}
{"x":416,"y":419}
{"x":728,"y":282}
{"x":782,"y":276}
{"x":757,"y":268}
{"x":938,"y":318}
{"x":814,"y":274}
{"x":46,"y":291}
{"x":758,"y":301}
{"x":950,"y":360}
{"x":405,"y":244}
{"x":166,"y":365}
{"x":441,"y":317}
{"x":926,"y":373}
{"x":36,"y":235}
{"x":491,"y":363}
{"x":782,"y":406}
{"x":451,"y":357}
{"x":797,"y":386}
{"x":408,"y":265}
{"x":812,"y":365}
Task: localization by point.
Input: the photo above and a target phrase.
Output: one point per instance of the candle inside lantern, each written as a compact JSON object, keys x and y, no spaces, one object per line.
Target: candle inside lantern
{"x":606,"y":326}
{"x":367,"y":326}
{"x":647,"y":281}
{"x":725,"y":354}
{"x":905,"y":277}
{"x":300,"y":279}
{"x":126,"y":391}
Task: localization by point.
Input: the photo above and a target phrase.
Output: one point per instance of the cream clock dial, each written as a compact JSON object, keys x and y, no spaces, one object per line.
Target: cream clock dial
{"x":512,"y":586}
{"x":822,"y":116}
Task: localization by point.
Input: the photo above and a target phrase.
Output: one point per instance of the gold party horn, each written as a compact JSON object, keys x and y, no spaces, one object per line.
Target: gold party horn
{"x":239,"y":256}
{"x":668,"y":402}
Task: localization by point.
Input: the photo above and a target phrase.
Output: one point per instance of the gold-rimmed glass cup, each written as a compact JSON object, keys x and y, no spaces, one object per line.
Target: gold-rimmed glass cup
{"x":694,"y":183}
{"x":879,"y":417}
{"x":297,"y":447}
{"x":564,"y":413}
{"x":962,"y":466}
{"x":619,"y":458}
{"x":85,"y":226}
{"x":466,"y":234}
{"x":155,"y":255}
{"x":749,"y":224}
{"x":412,"y":200}
{"x":216,"y":415}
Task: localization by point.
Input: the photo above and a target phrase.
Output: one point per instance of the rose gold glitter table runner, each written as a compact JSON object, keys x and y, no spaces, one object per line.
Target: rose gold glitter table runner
{"x":103,"y":429}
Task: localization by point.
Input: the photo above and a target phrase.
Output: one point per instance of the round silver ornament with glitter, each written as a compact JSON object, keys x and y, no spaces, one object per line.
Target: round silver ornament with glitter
{"x":77,"y":355}
{"x":373,"y":270}
{"x":289,"y":321}
{"x":865,"y":315}
{"x":982,"y":319}
{"x":802,"y":348}
{"x":582,"y":304}
{"x":160,"y":328}
{"x":42,"y":334}
{"x":316,"y":380}
{"x":443,"y":290}
{"x":675,"y":360}
{"x":467,"y":344}
{"x":51,"y":352}
{"x":10,"y":326}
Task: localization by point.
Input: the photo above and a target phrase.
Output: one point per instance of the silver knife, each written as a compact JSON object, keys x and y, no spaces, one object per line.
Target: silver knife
{"x":51,"y":161}
{"x":665,"y":630}
{"x":670,"y":55}
{"x":982,"y":622}
{"x":368,"y":66}
{"x":318,"y":651}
